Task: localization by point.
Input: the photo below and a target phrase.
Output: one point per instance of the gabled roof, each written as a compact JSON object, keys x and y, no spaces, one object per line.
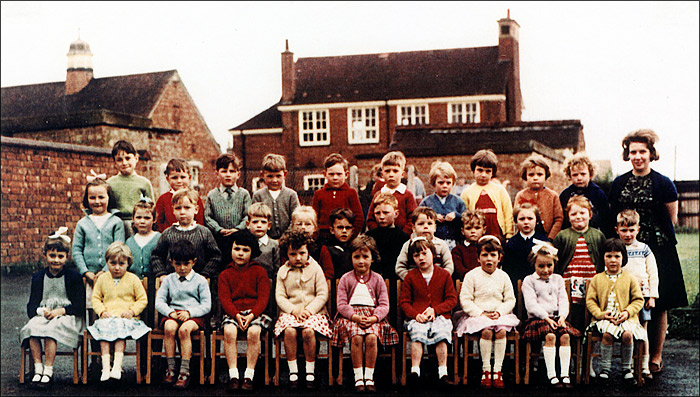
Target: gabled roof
{"x":268,"y":118}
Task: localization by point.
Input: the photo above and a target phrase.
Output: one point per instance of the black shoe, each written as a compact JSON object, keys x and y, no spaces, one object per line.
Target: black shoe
{"x":311,"y":384}
{"x":45,"y":385}
{"x":628,"y":378}
{"x":294,"y":384}
{"x":445,"y":381}
{"x":413,"y":380}
{"x":247,"y":385}
{"x":233,"y":384}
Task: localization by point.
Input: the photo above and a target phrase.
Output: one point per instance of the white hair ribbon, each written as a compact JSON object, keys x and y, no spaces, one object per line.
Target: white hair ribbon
{"x":61,"y":233}
{"x":146,"y":199}
{"x":489,"y":237}
{"x":93,"y":175}
{"x":543,"y":245}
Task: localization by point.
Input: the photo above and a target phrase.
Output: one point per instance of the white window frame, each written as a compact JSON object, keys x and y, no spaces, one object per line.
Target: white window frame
{"x":314,"y":136}
{"x":411,"y":119}
{"x":468,"y":116}
{"x":358,"y":120}
{"x":309,"y":186}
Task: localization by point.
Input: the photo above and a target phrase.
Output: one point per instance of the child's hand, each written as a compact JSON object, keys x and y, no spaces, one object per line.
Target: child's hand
{"x":650,"y":304}
{"x":105,"y":314}
{"x":368,"y":321}
{"x":51,"y":314}
{"x":450,"y":217}
{"x":297,"y":312}
{"x":551,"y":322}
{"x":90,"y":276}
{"x":608,"y":316}
{"x":429,"y":313}
{"x":561,"y":322}
{"x":421,"y":318}
{"x":440,"y":218}
{"x":183,"y":315}
{"x":305,"y":314}
{"x":128,"y":314}
{"x":98,"y":274}
{"x":228,"y":232}
{"x":622,"y":317}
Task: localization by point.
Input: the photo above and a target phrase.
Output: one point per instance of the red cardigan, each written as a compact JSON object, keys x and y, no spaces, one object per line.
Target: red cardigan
{"x":416,"y":295}
{"x":164,"y":212}
{"x":465,"y":259}
{"x":244,"y":288}
{"x":327,"y":199}
{"x":407,"y":203}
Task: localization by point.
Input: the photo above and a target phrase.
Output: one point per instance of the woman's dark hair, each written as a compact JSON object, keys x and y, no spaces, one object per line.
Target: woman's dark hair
{"x":647,"y":137}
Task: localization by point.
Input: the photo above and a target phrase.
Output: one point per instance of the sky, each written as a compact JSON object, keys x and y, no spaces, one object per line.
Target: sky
{"x":616,"y":66}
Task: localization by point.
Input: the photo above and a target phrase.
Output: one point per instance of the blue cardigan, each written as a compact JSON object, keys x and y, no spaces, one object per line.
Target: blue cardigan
{"x":447,"y":230}
{"x":142,"y":255}
{"x":74,"y":289}
{"x":90,"y":244}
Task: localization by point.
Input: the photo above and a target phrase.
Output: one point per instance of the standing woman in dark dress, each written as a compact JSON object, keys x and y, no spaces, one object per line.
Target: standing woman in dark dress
{"x":655,"y":198}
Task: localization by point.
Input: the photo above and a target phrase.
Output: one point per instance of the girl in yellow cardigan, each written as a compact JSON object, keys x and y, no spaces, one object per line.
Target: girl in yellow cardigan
{"x":118,"y":299}
{"x":614,"y":299}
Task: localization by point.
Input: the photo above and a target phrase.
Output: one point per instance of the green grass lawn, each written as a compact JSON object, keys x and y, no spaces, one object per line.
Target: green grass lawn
{"x":688,"y":248}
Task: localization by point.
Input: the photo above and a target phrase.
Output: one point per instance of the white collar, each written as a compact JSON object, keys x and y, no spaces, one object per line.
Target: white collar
{"x":466,"y":243}
{"x":264,"y":240}
{"x":443,"y":200}
{"x":185,"y":229}
{"x":401,"y":189}
{"x":188,"y":277}
{"x":528,"y":236}
{"x":223,"y":188}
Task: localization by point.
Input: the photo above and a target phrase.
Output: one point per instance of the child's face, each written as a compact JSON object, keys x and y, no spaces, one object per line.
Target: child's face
{"x":613,"y":261}
{"x":526,"y":221}
{"x":580,"y":176}
{"x":56,"y":260}
{"x":185,"y":210}
{"x":544,"y":266}
{"x":183,"y":268}
{"x":117,"y":266}
{"x":443,"y":185}
{"x":240,"y":254}
{"x":579,"y":218}
{"x":423,"y":260}
{"x":392,"y":175}
{"x":489,"y":260}
{"x":482,"y":175}
{"x":178,"y":180}
{"x":143,"y":220}
{"x":385,"y":215}
{"x":424,"y":227}
{"x":126,"y":162}
{"x":228,"y":176}
{"x":535,"y":177}
{"x":473,"y":232}
{"x":274,"y":180}
{"x":336,"y":175}
{"x":627,"y":233}
{"x":342,"y":230}
{"x":98,"y":199}
{"x":362,"y":260}
{"x":305,"y":224}
{"x":258,"y":225}
{"x":298,"y":257}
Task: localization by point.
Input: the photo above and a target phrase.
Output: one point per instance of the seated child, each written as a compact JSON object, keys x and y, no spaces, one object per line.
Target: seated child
{"x":363,"y":304}
{"x":244,"y":290}
{"x":56,"y":308}
{"x":304,"y":219}
{"x":614,"y":300}
{"x":547,"y":305}
{"x":259,"y":221}
{"x":423,"y":222}
{"x":301,"y":293}
{"x":427,"y":298}
{"x":535,"y":171}
{"x":393,"y":165}
{"x":488,"y":299}
{"x":580,"y":170}
{"x":118,"y":299}
{"x":388,"y":237}
{"x":517,"y":249}
{"x":464,"y":254}
{"x":184,"y":301}
{"x":336,"y":245}
{"x":447,"y":206}
{"x":279,"y":198}
{"x":177,"y":173}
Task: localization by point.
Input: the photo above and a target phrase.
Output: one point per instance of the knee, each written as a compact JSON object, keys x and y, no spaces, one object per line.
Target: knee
{"x":501,"y":334}
{"x":290,"y":332}
{"x":565,"y":340}
{"x":184,"y":332}
{"x":230,"y":333}
{"x":371,"y":340}
{"x":607,"y":339}
{"x":170,"y":328}
{"x":307,"y":334}
{"x":356,"y":341}
{"x":627,"y":338}
{"x":550,"y":339}
{"x":253,"y":334}
{"x":486,"y":334}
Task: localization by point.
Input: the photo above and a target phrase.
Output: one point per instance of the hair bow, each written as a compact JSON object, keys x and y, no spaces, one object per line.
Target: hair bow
{"x":61,"y":233}
{"x":545,"y":246}
{"x":145,"y":199}
{"x":419,"y":238}
{"x":94,"y":176}
{"x":490,"y":237}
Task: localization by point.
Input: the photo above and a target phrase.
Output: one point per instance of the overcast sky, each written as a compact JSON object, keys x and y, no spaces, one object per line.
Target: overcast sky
{"x":616,"y":67}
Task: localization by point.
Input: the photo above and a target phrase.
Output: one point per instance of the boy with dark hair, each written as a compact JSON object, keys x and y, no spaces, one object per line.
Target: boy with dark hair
{"x":177,"y":173}
{"x":389,"y":238}
{"x":336,"y":246}
{"x":424,"y":220}
{"x":279,"y":198}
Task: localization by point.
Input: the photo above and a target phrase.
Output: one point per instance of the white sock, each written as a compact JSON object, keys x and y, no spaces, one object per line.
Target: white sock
{"x":38,"y":371}
{"x":550,"y":356}
{"x":564,"y":360}
{"x":415,"y":370}
{"x":442,"y":371}
{"x":249,"y":373}
{"x":627,"y":351}
{"x":499,"y":352}
{"x":310,"y":368}
{"x":233,"y":373}
{"x":105,"y":363}
{"x":369,"y":373}
{"x":645,"y":362}
{"x":48,"y":373}
{"x":118,"y":358}
{"x":293,"y":369}
{"x":485,"y":347}
{"x":358,"y":373}
{"x":605,"y":357}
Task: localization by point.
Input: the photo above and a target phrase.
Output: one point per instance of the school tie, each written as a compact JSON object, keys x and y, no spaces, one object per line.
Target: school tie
{"x":183,"y":278}
{"x":229,"y":192}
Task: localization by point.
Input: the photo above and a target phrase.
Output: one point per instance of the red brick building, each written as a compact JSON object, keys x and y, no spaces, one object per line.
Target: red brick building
{"x":429,"y":104}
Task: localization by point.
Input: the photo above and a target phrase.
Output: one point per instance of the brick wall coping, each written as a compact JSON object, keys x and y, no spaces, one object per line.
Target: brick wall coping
{"x":64,"y":147}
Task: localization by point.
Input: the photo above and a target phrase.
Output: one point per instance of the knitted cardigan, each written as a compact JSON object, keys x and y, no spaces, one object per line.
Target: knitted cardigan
{"x":544,"y":298}
{"x":329,"y":198}
{"x":443,"y":257}
{"x":90,"y":244}
{"x":282,"y":208}
{"x":416,"y":295}
{"x":565,"y":242}
{"x":447,"y":230}
{"x":244,"y":288}
{"x":128,"y":294}
{"x":487,"y":292}
{"x":377,"y":289}
{"x":304,"y":288}
{"x":141,"y":266}
{"x":74,"y":289}
{"x":547,"y":201}
{"x":498,"y":194}
{"x":629,"y":296}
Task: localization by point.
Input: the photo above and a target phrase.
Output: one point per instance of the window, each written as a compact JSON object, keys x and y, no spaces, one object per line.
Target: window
{"x":463,"y":112}
{"x":314,"y":182}
{"x":363,"y":125}
{"x":412,"y":115}
{"x":313,"y":128}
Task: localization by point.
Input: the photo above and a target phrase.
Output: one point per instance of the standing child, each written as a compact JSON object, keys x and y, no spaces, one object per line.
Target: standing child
{"x":56,"y":308}
{"x":580,"y":170}
{"x":427,"y":298}
{"x":488,"y":299}
{"x":535,"y":171}
{"x":641,"y":263}
{"x":281,"y":199}
{"x":177,"y":173}
{"x":448,"y":207}
{"x":489,"y":196}
{"x":225,"y":211}
{"x":128,"y":187}
{"x":363,"y":305}
{"x":393,"y":165}
{"x":614,"y":299}
{"x":547,"y":305}
{"x":304,"y":219}
{"x":301,"y":293}
{"x":244,"y":290}
{"x":388,"y":237}
{"x":517,"y":249}
{"x":423,"y":222}
{"x":464,"y":255}
{"x":118,"y":299}
{"x":183,"y":300}
{"x":336,"y":245}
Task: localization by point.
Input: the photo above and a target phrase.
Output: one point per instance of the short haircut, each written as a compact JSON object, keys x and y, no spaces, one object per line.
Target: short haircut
{"x":245,"y":237}
{"x":485,"y":158}
{"x":580,"y":158}
{"x":58,"y":244}
{"x":615,"y":245}
{"x":419,"y":244}
{"x":182,"y":251}
{"x":295,"y":239}
{"x":333,"y":159}
{"x":177,"y":165}
{"x":581,"y":201}
{"x":259,"y":210}
{"x":647,"y":137}
{"x":526,"y":206}
{"x":534,"y":161}
{"x":363,"y":241}
{"x":473,"y":218}
{"x":441,"y":168}
{"x":274,"y":163}
{"x":188,"y":192}
{"x":489,"y":243}
{"x":341,"y":213}
{"x":547,"y":250}
{"x":111,"y":203}
{"x":628,"y":218}
{"x":119,"y":250}
{"x":228,"y":158}
{"x":123,"y":146}
{"x":146,"y":205}
{"x":427,"y":211}
{"x":394,"y":158}
{"x":305,"y":211}
{"x":385,"y":198}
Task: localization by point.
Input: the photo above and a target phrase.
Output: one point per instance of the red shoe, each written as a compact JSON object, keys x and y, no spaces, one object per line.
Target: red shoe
{"x":498,"y":380}
{"x":486,"y":379}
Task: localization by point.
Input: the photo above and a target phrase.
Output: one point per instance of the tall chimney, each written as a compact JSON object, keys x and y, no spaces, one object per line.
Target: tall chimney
{"x":288,"y":75}
{"x":79,"y":71}
{"x":508,"y":51}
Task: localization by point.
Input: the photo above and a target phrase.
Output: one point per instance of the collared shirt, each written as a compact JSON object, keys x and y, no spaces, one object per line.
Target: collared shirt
{"x":401,"y":189}
{"x":188,"y":277}
{"x":274,"y":193}
{"x":264,"y":240}
{"x":185,"y":229}
{"x":525,"y":237}
{"x":223,"y":189}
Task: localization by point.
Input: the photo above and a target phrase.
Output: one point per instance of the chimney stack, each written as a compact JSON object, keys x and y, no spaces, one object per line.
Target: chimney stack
{"x":288,"y":75}
{"x":508,"y":51}
{"x":79,"y":71}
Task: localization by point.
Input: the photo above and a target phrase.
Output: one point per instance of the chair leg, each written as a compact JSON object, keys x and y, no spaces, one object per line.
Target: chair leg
{"x":455,"y":358}
{"x":330,"y":362}
{"x":403,"y":361}
{"x":202,"y":353}
{"x":467,"y":344}
{"x":76,"y":359}
{"x":278,"y":351}
{"x":86,"y":350}
{"x":577,"y":361}
{"x":22,"y":363}
{"x":516,"y":355}
{"x":528,"y":348}
{"x":212,"y":374}
{"x":638,"y":348}
{"x":139,"y":378}
{"x":587,"y":366}
{"x":340,"y":367}
{"x":266,"y":348}
{"x":149,"y":354}
{"x":393,"y":365}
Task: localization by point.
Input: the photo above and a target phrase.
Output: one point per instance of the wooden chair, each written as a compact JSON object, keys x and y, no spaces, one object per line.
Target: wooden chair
{"x":26,"y":353}
{"x":300,"y":352}
{"x":198,"y":339}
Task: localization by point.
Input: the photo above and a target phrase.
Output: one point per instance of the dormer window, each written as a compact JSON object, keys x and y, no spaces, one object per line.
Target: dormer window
{"x":463,"y":112}
{"x":313,"y":128}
